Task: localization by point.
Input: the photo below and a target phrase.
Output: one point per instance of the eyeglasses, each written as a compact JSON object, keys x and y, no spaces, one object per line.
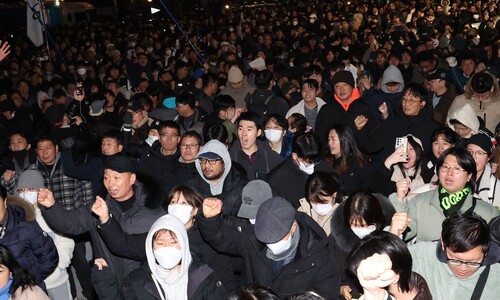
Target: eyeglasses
{"x":456,"y":262}
{"x":478,"y":154}
{"x":484,"y":96}
{"x":410,"y":101}
{"x":192,"y":146}
{"x":445,"y":169}
{"x":167,"y":135}
{"x":211,"y":162}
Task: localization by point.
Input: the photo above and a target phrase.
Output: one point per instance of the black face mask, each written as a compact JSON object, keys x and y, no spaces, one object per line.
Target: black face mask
{"x":20,"y":155}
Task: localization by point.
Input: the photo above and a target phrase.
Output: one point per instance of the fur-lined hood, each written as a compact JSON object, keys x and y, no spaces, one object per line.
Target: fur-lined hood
{"x":495,"y":97}
{"x":29,"y":211}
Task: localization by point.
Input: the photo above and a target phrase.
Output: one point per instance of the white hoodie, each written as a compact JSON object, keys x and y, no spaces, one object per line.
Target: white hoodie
{"x":173,"y":282}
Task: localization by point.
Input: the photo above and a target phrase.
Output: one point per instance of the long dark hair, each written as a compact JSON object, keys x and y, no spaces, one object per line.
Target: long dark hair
{"x":349,"y":150}
{"x":21,"y":277}
{"x":419,"y":153}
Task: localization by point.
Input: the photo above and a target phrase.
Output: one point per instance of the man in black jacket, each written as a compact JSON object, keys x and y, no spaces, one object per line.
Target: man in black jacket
{"x":125,"y":201}
{"x":346,"y":108}
{"x":286,"y":250}
{"x":289,"y":179}
{"x":156,"y":166}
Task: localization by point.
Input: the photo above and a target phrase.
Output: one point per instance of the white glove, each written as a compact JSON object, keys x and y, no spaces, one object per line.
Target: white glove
{"x":452,"y":61}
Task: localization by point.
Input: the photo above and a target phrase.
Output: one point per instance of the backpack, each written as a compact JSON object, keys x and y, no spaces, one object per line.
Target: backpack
{"x":258,"y":107}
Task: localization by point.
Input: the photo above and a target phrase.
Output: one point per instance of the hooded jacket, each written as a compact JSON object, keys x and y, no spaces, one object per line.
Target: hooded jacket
{"x":313,"y":267}
{"x":32,"y":247}
{"x":151,"y":280}
{"x":230,"y":185}
{"x":488,"y":110}
{"x":465,"y":115}
{"x":393,"y":100}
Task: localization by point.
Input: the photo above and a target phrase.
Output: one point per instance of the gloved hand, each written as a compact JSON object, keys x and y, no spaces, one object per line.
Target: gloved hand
{"x":127,"y":121}
{"x":68,"y":143}
{"x":96,"y":108}
{"x":452,"y":61}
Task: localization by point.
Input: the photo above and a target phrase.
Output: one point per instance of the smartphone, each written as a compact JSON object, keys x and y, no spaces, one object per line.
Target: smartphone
{"x":79,"y":88}
{"x":402,"y":141}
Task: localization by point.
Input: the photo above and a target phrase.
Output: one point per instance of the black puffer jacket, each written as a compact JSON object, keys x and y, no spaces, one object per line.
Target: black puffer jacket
{"x":313,"y":268}
{"x":289,"y":182}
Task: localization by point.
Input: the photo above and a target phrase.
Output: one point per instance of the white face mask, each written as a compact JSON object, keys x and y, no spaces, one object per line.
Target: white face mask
{"x":295,"y":23}
{"x":29,"y":196}
{"x":151,"y":139}
{"x":322,"y":209}
{"x":362,"y":232}
{"x":308,"y":169}
{"x":167,"y":257}
{"x":81,"y":71}
{"x":280,"y":246}
{"x":181,"y":211}
{"x":252,"y":221}
{"x":273,"y":135}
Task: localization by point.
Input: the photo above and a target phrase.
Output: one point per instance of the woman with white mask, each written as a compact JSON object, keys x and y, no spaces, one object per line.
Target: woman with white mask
{"x":322,"y":198}
{"x":170,"y":267}
{"x":184,"y":203}
{"x":280,"y":139}
{"x":360,"y":215}
{"x":30,"y":181}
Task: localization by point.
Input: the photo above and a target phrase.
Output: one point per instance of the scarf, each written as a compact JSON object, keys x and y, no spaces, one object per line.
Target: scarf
{"x":451,"y":203}
{"x":283,"y":256}
{"x":4,"y":292}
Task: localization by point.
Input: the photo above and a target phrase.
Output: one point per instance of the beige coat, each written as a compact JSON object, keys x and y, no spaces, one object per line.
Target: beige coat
{"x":323,"y":221}
{"x":30,"y":293}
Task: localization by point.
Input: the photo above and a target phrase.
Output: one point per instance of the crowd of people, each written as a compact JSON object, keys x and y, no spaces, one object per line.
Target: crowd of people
{"x":329,"y":150}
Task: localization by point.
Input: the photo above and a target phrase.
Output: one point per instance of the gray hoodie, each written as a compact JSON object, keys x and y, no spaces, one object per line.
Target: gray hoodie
{"x":220,"y":149}
{"x":392,"y":74}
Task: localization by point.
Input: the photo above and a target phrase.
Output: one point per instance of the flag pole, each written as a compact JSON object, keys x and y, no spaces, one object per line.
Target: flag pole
{"x":42,"y":14}
{"x":48,"y":36}
{"x":182,"y":31}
